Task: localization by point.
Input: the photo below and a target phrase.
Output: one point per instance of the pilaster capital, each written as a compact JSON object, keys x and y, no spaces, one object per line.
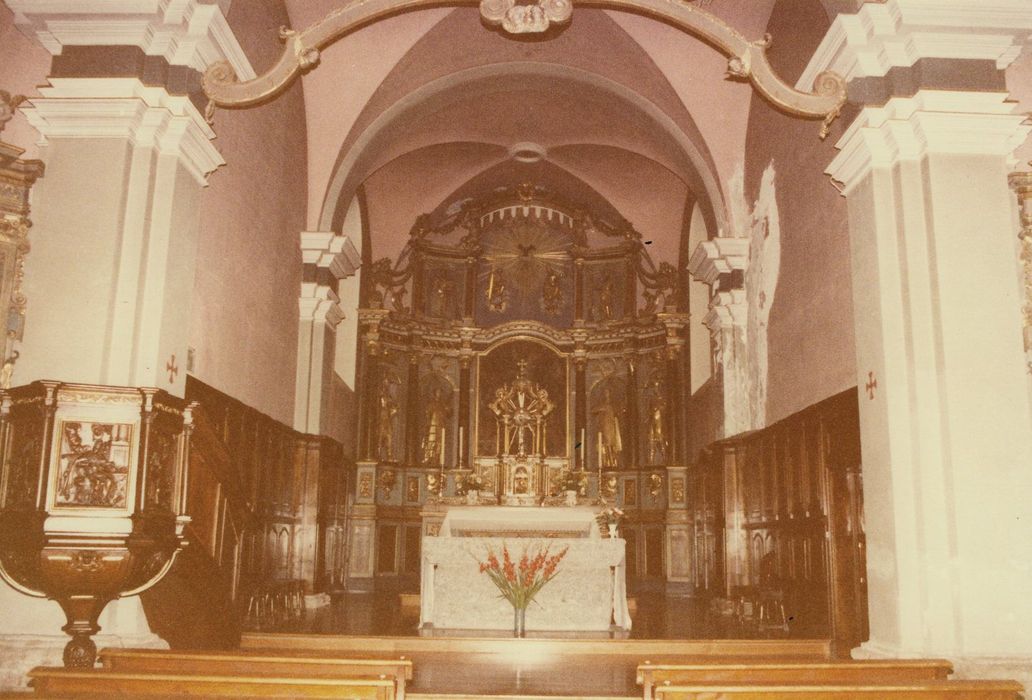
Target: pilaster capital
{"x":190,"y":33}
{"x":320,"y":307}
{"x":330,"y":251}
{"x":908,"y":129}
{"x":126,"y":108}
{"x":718,"y":256}
{"x":881,"y":36}
{"x":727,"y":310}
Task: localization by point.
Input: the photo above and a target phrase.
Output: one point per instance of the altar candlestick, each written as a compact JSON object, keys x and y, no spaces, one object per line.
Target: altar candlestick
{"x":441,"y":447}
{"x":600,"y":449}
{"x":462,"y":454}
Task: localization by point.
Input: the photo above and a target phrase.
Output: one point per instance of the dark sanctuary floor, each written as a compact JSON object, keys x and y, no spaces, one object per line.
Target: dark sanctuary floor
{"x":387,"y":614}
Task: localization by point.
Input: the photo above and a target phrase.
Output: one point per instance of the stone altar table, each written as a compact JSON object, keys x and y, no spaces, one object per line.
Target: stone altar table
{"x":588,"y":594}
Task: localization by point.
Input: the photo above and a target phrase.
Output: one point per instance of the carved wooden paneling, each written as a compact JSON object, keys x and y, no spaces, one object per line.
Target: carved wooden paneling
{"x":255,"y":496}
{"x":782,"y":509}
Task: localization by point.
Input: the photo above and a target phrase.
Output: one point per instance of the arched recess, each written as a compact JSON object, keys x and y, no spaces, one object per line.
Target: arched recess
{"x":690,"y":158}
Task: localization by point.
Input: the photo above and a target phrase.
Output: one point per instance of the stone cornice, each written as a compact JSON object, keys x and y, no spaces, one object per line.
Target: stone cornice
{"x":185,"y":32}
{"x":881,"y":36}
{"x":718,"y":256}
{"x":929,"y":122}
{"x":126,"y":108}
{"x":327,"y":250}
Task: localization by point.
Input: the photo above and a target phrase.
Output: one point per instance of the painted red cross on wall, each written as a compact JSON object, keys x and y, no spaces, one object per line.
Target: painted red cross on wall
{"x":173,"y":369}
{"x":871,"y":385}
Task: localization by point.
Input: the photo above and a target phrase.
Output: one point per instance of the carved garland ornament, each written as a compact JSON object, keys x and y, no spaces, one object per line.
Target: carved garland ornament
{"x":747,"y":59}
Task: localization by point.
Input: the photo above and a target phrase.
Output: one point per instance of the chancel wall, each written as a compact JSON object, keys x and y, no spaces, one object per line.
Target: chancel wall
{"x":245,"y":319}
{"x":809,"y":331}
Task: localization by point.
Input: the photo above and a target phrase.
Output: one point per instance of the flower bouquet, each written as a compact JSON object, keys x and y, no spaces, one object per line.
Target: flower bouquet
{"x":571,"y":480}
{"x":469,"y":483}
{"x":608,"y":518}
{"x":520,"y":582}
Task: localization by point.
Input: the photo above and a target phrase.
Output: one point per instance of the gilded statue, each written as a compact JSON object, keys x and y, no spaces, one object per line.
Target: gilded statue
{"x":552,"y":294}
{"x":497,"y":294}
{"x":610,"y":443}
{"x":656,"y":439}
{"x":442,"y":299}
{"x":438,"y":411}
{"x":604,"y":308}
{"x":387,"y":408}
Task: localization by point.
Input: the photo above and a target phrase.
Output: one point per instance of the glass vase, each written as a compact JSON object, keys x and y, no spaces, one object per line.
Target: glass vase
{"x":519,"y":622}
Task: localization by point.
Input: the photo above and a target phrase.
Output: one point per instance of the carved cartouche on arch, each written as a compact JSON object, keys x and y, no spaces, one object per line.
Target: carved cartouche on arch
{"x":747,"y":59}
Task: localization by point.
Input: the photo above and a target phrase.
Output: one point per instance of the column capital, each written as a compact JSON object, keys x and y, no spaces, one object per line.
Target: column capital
{"x":126,"y":108}
{"x":184,"y":32}
{"x":718,"y":256}
{"x":910,"y":128}
{"x":881,"y":36}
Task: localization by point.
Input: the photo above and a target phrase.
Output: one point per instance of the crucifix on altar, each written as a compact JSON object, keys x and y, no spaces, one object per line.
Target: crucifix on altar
{"x":521,"y":408}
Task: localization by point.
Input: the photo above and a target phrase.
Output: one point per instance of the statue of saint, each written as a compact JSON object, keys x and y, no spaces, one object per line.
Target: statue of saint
{"x":387,"y":408}
{"x":552,"y":294}
{"x":604,"y":309}
{"x":609,"y":441}
{"x":657,"y":442}
{"x":438,"y":411}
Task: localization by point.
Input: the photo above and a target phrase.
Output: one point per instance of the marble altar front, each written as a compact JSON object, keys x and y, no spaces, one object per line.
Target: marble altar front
{"x":588,"y":594}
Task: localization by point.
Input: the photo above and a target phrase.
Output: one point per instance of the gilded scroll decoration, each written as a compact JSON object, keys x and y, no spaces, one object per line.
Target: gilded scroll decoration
{"x":748,"y":59}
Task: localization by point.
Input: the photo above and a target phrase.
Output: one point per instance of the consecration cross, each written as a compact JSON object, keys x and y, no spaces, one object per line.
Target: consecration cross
{"x":172,"y":368}
{"x":871,"y":385}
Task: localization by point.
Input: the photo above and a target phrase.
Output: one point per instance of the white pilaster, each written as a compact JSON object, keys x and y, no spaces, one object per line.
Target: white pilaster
{"x":327,"y":257}
{"x":727,"y":322}
{"x":135,"y":158}
{"x":946,"y":421}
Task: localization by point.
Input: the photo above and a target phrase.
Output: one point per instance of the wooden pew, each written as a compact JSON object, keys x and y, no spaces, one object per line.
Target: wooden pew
{"x":51,"y":682}
{"x":651,"y":675}
{"x":236,"y":663}
{"x":917,"y":690}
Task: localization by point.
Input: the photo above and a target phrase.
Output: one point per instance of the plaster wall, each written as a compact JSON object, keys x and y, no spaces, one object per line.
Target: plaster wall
{"x":245,"y":319}
{"x":810,"y":338}
{"x":70,"y":270}
{"x":24,"y":64}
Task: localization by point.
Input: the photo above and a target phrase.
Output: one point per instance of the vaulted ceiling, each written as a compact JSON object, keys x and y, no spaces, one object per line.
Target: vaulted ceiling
{"x":417,"y":107}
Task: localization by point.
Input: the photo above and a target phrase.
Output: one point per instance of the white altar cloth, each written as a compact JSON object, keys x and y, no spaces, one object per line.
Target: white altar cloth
{"x":588,"y":594}
{"x":517,"y":521}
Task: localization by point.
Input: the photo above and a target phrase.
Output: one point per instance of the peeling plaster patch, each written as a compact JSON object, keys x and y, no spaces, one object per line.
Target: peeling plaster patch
{"x":761,"y":281}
